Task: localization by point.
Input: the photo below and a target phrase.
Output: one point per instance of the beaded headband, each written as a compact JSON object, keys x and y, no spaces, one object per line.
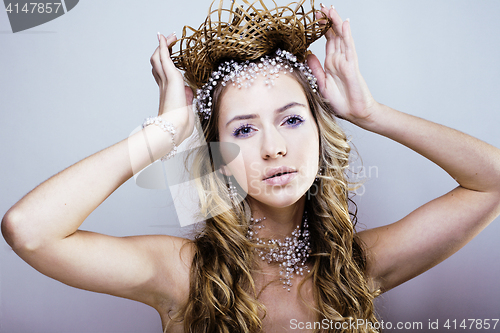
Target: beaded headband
{"x":244,"y":74}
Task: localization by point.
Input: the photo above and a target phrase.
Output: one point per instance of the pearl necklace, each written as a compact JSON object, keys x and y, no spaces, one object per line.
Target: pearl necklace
{"x":291,"y":254}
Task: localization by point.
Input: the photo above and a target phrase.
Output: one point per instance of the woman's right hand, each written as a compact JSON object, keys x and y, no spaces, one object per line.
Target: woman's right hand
{"x":175,"y":98}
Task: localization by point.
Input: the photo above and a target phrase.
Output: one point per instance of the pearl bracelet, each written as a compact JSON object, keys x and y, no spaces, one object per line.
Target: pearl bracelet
{"x":166,"y":127}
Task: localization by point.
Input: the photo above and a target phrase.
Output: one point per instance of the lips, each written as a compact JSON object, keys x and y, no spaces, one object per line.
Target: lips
{"x":281,"y":179}
{"x":279,"y":176}
{"x":278,"y":172}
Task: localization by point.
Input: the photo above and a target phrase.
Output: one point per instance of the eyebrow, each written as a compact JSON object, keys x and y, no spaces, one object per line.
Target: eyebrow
{"x":277,"y":111}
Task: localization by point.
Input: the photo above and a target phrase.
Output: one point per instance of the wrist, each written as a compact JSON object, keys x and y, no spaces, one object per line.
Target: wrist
{"x":166,"y":127}
{"x":178,"y":119}
{"x":374,"y":113}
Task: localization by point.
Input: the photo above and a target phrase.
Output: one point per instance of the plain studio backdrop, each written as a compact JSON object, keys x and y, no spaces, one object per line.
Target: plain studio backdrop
{"x":82,"y":82}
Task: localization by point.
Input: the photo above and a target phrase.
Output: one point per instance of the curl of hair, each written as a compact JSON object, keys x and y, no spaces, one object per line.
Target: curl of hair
{"x":223,"y":296}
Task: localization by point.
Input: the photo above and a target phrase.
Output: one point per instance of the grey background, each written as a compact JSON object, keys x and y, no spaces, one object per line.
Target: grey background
{"x":82,"y":82}
{"x":23,"y":15}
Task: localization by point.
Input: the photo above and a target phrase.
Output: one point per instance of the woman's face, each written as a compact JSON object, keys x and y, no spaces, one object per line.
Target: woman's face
{"x":278,"y":139}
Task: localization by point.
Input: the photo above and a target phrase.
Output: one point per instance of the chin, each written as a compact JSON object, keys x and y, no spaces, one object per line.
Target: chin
{"x":275,"y":202}
{"x":279,"y":198}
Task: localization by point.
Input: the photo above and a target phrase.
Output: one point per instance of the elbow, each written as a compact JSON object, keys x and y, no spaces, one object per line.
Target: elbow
{"x":16,"y":232}
{"x":495,"y":206}
{"x":8,"y":227}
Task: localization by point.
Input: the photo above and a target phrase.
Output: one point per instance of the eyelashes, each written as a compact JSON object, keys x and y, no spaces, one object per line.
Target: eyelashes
{"x":245,"y":130}
{"x":294,"y":117}
{"x":242,"y":131}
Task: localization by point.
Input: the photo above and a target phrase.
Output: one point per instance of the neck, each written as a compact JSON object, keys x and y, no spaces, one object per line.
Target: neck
{"x":279,"y":221}
{"x":281,"y":244}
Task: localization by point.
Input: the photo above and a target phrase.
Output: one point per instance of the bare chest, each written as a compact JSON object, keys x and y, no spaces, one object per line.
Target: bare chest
{"x":285,"y":310}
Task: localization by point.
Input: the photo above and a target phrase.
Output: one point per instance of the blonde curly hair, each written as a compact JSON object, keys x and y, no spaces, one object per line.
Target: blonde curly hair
{"x":223,"y":296}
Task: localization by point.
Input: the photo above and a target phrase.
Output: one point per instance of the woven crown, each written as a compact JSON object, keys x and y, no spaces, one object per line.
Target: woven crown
{"x":246,"y":34}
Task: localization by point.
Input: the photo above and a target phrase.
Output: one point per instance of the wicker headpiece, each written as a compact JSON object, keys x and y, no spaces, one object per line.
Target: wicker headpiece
{"x":242,"y":34}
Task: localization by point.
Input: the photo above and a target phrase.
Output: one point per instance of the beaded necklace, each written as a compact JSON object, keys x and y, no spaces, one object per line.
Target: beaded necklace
{"x":291,"y":254}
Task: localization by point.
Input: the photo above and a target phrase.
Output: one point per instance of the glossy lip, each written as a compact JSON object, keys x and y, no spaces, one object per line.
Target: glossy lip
{"x":281,"y":169}
{"x":281,"y":180}
{"x":288,"y":175}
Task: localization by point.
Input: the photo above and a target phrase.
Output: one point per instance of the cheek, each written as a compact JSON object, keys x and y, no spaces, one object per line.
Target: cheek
{"x":246,"y":170}
{"x":238,"y":168}
{"x":306,"y":139}
{"x":309,"y":151}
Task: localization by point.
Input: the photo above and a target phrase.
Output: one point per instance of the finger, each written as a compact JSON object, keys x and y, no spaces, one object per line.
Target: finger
{"x":156,"y":63}
{"x":166,"y":62}
{"x":338,"y":44}
{"x":317,"y":70}
{"x":336,"y":20}
{"x":155,"y":53}
{"x":350,"y":49}
{"x":152,"y":61}
{"x":330,"y":47}
{"x":155,"y":75}
{"x":170,"y":39}
{"x":330,"y":34}
{"x":323,"y":14}
{"x":320,"y":15}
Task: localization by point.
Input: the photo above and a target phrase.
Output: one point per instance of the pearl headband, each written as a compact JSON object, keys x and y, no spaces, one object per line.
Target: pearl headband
{"x":243,"y":74}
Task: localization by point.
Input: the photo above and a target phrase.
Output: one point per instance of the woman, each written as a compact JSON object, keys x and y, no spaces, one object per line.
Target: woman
{"x":151,"y":277}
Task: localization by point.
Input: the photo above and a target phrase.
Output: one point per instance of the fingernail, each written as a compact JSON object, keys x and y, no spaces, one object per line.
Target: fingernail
{"x":158,"y":34}
{"x":348,"y":20}
{"x":321,"y":5}
{"x":331,"y":7}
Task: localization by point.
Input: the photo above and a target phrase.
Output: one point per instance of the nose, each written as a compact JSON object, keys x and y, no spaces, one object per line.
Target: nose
{"x":273,"y":144}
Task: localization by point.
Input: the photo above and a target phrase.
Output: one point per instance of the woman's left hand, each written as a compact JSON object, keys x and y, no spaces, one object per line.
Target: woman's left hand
{"x":340,"y":81}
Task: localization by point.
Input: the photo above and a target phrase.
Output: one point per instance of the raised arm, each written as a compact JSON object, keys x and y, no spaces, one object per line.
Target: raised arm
{"x":406,"y":248}
{"x":42,"y":227}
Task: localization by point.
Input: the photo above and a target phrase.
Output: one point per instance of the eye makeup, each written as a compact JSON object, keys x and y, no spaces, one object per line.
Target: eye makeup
{"x":245,"y":130}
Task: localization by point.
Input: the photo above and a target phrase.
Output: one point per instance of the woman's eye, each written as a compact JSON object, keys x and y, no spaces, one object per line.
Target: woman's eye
{"x":246,"y":130}
{"x":242,"y":131}
{"x":294,"y":120}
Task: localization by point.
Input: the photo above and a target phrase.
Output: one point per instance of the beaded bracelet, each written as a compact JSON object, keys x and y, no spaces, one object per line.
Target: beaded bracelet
{"x":166,"y":127}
